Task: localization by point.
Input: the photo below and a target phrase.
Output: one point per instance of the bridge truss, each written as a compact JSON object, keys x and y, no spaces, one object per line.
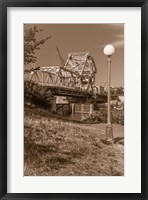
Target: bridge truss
{"x":77,"y":73}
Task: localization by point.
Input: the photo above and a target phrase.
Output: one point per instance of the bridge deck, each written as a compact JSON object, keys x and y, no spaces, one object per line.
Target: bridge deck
{"x":70,"y":91}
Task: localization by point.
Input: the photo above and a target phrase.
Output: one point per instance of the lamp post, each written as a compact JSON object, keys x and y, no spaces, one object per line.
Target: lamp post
{"x":109,"y":51}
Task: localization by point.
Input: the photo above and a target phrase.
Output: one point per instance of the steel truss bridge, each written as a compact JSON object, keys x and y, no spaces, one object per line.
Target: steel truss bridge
{"x":75,"y":78}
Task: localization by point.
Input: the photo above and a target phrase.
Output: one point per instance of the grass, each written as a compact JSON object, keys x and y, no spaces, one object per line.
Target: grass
{"x":62,"y":148}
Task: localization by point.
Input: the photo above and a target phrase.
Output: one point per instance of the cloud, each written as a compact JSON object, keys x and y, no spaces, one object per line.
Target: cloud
{"x":118,"y":44}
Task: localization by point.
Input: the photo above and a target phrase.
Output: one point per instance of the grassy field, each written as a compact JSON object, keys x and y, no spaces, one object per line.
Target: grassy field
{"x":62,"y":148}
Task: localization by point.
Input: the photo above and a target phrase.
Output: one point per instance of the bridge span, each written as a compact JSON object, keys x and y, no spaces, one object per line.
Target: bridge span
{"x":75,"y":79}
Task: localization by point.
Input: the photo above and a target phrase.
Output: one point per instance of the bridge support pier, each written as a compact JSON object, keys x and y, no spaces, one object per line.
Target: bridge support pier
{"x":73,"y":108}
{"x":91,"y":109}
{"x":82,"y":108}
{"x":54,"y":109}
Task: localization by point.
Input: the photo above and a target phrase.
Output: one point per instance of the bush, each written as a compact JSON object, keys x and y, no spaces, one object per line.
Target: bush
{"x":98,"y":116}
{"x":118,"y":117}
{"x":101,"y":117}
{"x":37,"y":95}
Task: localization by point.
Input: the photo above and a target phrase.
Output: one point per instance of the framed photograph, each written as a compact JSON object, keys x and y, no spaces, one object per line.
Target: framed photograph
{"x":73,"y":109}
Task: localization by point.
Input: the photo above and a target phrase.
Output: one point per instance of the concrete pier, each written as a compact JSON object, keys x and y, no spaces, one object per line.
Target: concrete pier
{"x":73,"y":108}
{"x":82,"y":108}
{"x":91,"y":109}
{"x":54,"y":109}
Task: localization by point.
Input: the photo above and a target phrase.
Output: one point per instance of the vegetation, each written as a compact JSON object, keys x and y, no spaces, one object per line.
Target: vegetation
{"x":118,"y":116}
{"x":57,"y":148}
{"x":120,"y":90}
{"x":37,"y":95}
{"x":101,"y":117}
{"x":31,"y":44}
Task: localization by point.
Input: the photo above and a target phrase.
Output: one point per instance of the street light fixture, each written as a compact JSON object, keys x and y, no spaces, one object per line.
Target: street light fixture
{"x":109,"y":50}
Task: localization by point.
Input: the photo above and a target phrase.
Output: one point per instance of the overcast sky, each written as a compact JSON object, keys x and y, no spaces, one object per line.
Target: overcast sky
{"x":84,"y":37}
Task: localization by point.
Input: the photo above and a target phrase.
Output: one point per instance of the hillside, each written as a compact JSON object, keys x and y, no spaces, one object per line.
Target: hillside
{"x":60,"y":148}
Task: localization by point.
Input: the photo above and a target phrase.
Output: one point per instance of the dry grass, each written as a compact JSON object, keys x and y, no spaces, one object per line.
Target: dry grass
{"x":57,"y":148}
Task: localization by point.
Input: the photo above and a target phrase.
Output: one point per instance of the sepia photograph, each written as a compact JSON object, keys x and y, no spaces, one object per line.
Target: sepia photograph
{"x":74,"y":99}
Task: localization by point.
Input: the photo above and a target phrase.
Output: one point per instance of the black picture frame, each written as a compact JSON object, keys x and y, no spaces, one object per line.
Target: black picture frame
{"x":4,"y":4}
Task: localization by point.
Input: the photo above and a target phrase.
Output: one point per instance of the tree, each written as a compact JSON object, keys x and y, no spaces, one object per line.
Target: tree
{"x":120,"y":90}
{"x":31,"y":44}
{"x":37,"y":95}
